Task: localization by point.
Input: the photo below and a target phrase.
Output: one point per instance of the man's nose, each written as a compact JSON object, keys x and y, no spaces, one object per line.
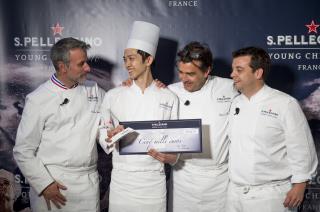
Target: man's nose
{"x":86,"y":67}
{"x":232,"y":75}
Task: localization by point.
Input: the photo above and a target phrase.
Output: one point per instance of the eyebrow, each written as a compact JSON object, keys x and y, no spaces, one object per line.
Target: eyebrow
{"x":129,"y":55}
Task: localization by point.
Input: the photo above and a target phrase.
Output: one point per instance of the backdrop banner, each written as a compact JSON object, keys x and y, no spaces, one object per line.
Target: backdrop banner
{"x":288,"y":29}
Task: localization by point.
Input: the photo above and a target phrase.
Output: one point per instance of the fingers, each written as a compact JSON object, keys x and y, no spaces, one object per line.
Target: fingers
{"x":296,"y":204}
{"x":48,"y":204}
{"x":127,"y":83}
{"x":119,"y":128}
{"x":159,"y":84}
{"x":292,"y":201}
{"x":52,"y":194}
{"x":57,"y":201}
{"x":156,"y":155}
{"x":56,"y":204}
{"x":286,"y":202}
{"x":61,"y":186}
{"x":60,"y":198}
{"x":109,"y":134}
{"x":162,"y":157}
{"x":113,"y":132}
{"x":152,"y":152}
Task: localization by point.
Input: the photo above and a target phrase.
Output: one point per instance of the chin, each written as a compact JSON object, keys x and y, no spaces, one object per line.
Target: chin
{"x":133,"y":77}
{"x":82,"y":80}
{"x":188,"y":89}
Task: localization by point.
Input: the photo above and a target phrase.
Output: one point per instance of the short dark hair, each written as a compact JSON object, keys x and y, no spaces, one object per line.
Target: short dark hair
{"x":259,"y":58}
{"x":195,"y":51}
{"x":60,"y":50}
{"x":143,"y":54}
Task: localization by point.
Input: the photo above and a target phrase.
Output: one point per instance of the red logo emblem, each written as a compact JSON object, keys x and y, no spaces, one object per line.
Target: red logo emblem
{"x":312,"y":27}
{"x":57,"y":29}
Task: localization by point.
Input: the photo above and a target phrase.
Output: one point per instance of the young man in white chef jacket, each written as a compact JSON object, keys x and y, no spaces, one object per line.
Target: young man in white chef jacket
{"x":138,"y":182}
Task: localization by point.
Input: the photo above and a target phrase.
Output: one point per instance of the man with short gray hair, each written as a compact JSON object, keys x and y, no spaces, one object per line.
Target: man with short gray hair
{"x":56,"y":139}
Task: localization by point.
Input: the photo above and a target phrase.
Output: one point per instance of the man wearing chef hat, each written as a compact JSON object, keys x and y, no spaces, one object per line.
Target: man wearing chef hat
{"x":56,"y":139}
{"x":200,"y":180}
{"x":138,"y":181}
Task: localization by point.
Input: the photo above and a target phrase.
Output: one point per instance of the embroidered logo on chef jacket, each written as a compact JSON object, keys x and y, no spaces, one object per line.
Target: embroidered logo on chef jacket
{"x":223,"y":99}
{"x":224,"y":109}
{"x":269,"y":113}
{"x":93,"y":98}
{"x":165,"y":106}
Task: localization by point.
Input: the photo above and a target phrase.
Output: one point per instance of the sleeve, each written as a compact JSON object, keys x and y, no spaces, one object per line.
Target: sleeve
{"x":27,"y":142}
{"x":301,"y":151}
{"x":105,"y":124}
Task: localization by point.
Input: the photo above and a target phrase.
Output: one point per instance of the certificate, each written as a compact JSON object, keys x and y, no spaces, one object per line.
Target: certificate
{"x":169,"y":136}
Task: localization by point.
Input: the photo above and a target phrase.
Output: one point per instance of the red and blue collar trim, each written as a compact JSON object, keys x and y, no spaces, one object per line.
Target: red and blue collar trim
{"x":58,"y":83}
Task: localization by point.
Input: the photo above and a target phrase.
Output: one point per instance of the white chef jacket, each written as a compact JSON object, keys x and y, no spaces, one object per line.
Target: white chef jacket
{"x":270,"y":140}
{"x":137,"y":181}
{"x":200,"y":179}
{"x":56,"y":138}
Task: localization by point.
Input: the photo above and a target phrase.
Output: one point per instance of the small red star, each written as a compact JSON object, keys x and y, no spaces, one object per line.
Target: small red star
{"x":312,"y":27}
{"x":57,"y":29}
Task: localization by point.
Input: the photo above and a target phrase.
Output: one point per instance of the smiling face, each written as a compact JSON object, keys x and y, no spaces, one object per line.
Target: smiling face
{"x":134,"y":63}
{"x":191,"y":76}
{"x":246,"y":80}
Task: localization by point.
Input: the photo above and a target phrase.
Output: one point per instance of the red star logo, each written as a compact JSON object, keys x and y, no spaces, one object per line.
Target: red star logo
{"x":57,"y":29}
{"x":312,"y":27}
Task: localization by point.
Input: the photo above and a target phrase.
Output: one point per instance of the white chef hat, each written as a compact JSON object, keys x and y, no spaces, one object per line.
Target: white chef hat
{"x":144,"y":36}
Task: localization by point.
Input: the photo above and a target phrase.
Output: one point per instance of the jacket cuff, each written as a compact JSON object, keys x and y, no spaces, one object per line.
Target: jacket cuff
{"x":300,"y":178}
{"x":107,"y":148}
{"x":40,"y":187}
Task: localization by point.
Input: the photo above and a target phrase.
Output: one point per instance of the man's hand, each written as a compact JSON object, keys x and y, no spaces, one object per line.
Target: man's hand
{"x":160,"y":84}
{"x":295,"y":195}
{"x":127,"y":83}
{"x":170,"y":158}
{"x":52,"y":193}
{"x":111,"y":133}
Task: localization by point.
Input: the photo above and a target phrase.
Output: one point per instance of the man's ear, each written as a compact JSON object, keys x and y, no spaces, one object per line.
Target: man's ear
{"x":207,"y":72}
{"x":149,"y":60}
{"x":259,"y":73}
{"x":62,"y":67}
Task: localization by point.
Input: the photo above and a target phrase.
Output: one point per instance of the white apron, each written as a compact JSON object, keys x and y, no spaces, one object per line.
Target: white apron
{"x":82,"y":194}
